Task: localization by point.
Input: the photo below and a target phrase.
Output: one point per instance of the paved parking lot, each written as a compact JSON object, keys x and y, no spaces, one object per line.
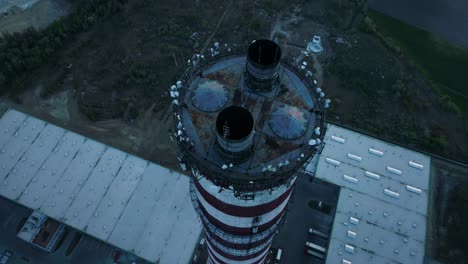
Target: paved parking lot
{"x":300,"y":217}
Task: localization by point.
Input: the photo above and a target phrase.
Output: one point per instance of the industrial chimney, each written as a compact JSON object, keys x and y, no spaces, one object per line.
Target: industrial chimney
{"x":234,"y":127}
{"x":263,"y":63}
{"x":245,"y":146}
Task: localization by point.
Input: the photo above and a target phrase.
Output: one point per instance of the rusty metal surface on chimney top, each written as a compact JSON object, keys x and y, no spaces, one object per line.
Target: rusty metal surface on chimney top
{"x":271,"y":144}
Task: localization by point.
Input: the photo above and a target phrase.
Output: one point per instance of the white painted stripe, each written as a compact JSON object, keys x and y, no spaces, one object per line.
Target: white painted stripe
{"x":372,"y":175}
{"x":350,"y":179}
{"x":413,"y":189}
{"x":393,"y":170}
{"x":415,"y":165}
{"x":230,"y":261}
{"x":338,"y":139}
{"x":354,"y":157}
{"x":242,"y":222}
{"x":226,"y":196}
{"x":376,"y":152}
{"x":238,"y":252}
{"x":391,"y":193}
{"x":345,"y":261}
{"x":332,"y":161}
{"x":211,"y":259}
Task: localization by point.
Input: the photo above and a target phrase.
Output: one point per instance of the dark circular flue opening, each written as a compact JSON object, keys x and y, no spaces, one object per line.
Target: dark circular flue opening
{"x":264,"y":52}
{"x":234,"y":122}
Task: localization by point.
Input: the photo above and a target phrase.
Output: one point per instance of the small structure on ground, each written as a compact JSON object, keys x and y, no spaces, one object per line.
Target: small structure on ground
{"x":315,"y":46}
{"x":42,"y":232}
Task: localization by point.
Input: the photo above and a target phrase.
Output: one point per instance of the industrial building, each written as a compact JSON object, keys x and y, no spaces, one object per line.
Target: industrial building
{"x":125,"y":201}
{"x":382,"y":207}
{"x":42,"y":232}
{"x":246,"y":124}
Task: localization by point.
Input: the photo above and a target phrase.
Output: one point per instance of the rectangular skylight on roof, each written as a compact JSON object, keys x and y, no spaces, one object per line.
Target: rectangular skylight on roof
{"x":415,"y":165}
{"x":350,"y":179}
{"x":376,"y":152}
{"x":333,"y":162}
{"x":372,"y":175}
{"x":338,"y":139}
{"x":351,"y":234}
{"x":354,"y":157}
{"x":353,"y":220}
{"x":391,"y":193}
{"x":393,"y":170}
{"x":413,"y":189}
{"x":349,"y":249}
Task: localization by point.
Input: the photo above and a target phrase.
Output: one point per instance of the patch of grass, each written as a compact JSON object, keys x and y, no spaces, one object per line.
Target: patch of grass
{"x":441,"y":61}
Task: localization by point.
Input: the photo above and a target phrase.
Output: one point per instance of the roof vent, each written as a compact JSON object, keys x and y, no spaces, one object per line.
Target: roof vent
{"x":391,"y":193}
{"x":376,"y":152}
{"x":353,"y":220}
{"x":350,"y":179}
{"x":372,"y":175}
{"x":333,"y":162}
{"x":349,"y":248}
{"x":413,"y":189}
{"x":354,"y":157}
{"x":415,"y":165}
{"x":338,"y":139}
{"x":351,"y":234}
{"x":394,"y":171}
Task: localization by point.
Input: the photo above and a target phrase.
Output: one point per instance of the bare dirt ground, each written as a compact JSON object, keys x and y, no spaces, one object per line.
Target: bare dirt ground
{"x":147,"y":137}
{"x":39,"y":15}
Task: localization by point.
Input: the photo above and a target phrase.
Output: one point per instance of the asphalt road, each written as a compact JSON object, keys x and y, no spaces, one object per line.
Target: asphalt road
{"x":445,"y":18}
{"x":294,"y":233}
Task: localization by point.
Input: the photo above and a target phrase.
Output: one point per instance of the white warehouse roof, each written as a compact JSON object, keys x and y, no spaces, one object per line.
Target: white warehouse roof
{"x":118,"y":198}
{"x":383,"y":198}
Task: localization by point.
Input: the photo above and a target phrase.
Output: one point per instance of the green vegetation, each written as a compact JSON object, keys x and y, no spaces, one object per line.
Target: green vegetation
{"x":442,"y":62}
{"x":23,"y":52}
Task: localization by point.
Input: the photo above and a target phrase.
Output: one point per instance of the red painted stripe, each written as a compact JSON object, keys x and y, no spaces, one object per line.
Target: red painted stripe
{"x":241,"y":211}
{"x":214,"y":258}
{"x":240,"y":231}
{"x":238,"y":258}
{"x":238,"y":246}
